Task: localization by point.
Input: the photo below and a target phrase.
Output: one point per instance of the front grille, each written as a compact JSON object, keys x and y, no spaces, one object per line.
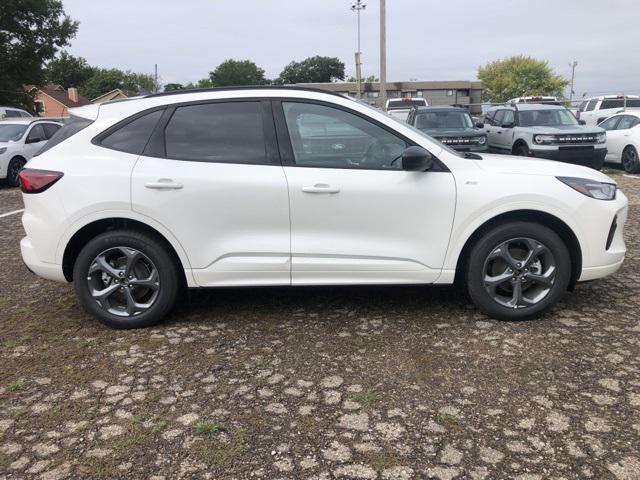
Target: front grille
{"x":576,"y":138}
{"x":460,"y":140}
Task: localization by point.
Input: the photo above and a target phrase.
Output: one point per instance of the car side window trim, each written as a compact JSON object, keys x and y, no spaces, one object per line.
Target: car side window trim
{"x":286,"y":148}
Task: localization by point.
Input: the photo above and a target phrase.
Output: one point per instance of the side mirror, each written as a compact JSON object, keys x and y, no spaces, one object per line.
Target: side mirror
{"x":34,"y":140}
{"x":508,"y":125}
{"x":479,"y":125}
{"x":581,"y":122}
{"x":416,"y":159}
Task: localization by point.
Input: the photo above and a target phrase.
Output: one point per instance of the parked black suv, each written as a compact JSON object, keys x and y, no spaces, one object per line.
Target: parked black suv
{"x":452,"y":126}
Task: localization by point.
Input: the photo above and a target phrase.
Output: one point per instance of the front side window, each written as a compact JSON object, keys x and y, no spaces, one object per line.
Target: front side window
{"x":36,"y":134}
{"x":498,"y":118}
{"x":627,"y":122}
{"x":508,"y":118}
{"x":10,"y":132}
{"x":591,"y":105}
{"x":546,"y":118}
{"x":582,"y":106}
{"x":229,"y":132}
{"x":610,"y":123}
{"x":446,"y":120}
{"x":50,"y":129}
{"x":327,"y":137}
{"x":134,"y":135}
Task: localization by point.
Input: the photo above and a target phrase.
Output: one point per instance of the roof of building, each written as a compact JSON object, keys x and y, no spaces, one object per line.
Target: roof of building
{"x":60,"y":95}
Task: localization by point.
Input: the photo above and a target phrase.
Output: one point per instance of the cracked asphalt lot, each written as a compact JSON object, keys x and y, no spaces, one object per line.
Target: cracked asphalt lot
{"x":364,"y":383}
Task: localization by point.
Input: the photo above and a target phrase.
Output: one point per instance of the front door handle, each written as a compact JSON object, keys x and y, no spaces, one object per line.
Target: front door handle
{"x":320,"y":188}
{"x":164,"y":184}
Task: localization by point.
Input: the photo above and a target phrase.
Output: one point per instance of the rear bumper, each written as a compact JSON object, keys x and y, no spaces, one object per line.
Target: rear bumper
{"x":588,"y":157}
{"x":50,"y":271}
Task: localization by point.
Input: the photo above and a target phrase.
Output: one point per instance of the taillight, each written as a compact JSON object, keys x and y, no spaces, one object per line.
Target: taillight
{"x":36,"y":181}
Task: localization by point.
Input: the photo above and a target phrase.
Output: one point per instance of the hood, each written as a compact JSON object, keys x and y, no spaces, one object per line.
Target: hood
{"x":564,"y":129}
{"x":511,"y":165}
{"x":452,"y":132}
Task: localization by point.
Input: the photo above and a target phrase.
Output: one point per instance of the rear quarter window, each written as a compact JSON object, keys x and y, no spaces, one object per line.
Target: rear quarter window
{"x":133,"y":136}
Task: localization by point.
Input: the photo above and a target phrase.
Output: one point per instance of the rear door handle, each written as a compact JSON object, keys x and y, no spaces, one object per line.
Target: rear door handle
{"x":164,"y":184}
{"x":320,"y":188}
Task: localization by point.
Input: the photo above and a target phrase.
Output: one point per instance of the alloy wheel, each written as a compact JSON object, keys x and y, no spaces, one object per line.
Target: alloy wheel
{"x":123,"y":281}
{"x":629,"y":159}
{"x":519,"y":273}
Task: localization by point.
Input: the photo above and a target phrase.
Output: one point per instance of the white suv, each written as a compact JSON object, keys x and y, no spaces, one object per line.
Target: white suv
{"x":293,"y":186}
{"x":20,"y":139}
{"x":594,"y":110}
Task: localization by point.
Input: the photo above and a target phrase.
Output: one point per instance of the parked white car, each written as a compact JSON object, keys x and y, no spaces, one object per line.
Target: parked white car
{"x":11,"y":112}
{"x":623,"y":140}
{"x":295,"y":186}
{"x":20,"y":139}
{"x":540,"y":99}
{"x":596,"y":109}
{"x":405,"y":103}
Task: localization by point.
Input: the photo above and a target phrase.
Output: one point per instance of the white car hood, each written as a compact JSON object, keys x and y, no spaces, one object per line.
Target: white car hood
{"x":511,"y":165}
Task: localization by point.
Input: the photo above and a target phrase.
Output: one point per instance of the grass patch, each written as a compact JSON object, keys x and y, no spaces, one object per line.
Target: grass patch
{"x":17,"y":386}
{"x":367,"y":398}
{"x":218,"y":454}
{"x":449,"y":421}
{"x":385,"y":458}
{"x":208,"y":428}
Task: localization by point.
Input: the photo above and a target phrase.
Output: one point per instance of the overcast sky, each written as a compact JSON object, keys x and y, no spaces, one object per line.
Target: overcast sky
{"x":426,"y":39}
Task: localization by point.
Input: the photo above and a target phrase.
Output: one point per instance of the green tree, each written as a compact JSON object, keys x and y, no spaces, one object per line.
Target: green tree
{"x":237,"y":72}
{"x":370,"y":78}
{"x":519,"y":76}
{"x":31,"y":32}
{"x":68,"y":71}
{"x":104,"y":80}
{"x":316,"y":69}
{"x":169,"y":87}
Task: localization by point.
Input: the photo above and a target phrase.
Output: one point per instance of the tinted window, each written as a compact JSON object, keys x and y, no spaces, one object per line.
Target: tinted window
{"x":435,"y":119}
{"x":610,"y":123}
{"x":50,"y":129}
{"x":12,"y":113}
{"x":339,"y":139}
{"x":71,"y":126}
{"x":612,"y":103}
{"x":591,"y":105}
{"x":37,"y":134}
{"x":217,"y":132}
{"x":133,"y":136}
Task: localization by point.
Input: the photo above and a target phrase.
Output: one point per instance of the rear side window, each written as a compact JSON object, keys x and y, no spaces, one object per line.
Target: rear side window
{"x":591,"y":105}
{"x":134,"y":135}
{"x":71,"y":126}
{"x":614,"y":103}
{"x":12,"y":114}
{"x":229,"y":132}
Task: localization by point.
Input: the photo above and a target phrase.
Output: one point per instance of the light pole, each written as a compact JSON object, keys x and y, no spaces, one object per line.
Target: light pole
{"x":383,"y":54}
{"x":357,"y":7}
{"x":573,"y":66}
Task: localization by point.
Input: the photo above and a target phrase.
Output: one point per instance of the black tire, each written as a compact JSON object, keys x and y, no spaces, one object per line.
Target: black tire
{"x":153,"y":253}
{"x":630,"y":160}
{"x":521,"y":150}
{"x":489,"y":244}
{"x":14,"y":167}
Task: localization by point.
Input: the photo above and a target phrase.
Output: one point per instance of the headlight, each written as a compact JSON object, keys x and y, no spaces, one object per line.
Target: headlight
{"x":601,"y":137}
{"x":2,"y":150}
{"x":482,"y":140}
{"x":591,"y":188}
{"x":544,"y":139}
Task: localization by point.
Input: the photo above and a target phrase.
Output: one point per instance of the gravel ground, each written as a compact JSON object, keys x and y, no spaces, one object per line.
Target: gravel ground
{"x":365,"y":383}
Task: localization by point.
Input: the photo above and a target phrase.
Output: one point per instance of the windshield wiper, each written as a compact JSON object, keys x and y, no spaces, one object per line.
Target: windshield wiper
{"x":473,"y":156}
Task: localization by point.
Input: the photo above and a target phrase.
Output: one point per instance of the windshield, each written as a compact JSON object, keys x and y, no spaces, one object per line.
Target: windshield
{"x":11,"y":132}
{"x":548,"y":118}
{"x":450,"y":120}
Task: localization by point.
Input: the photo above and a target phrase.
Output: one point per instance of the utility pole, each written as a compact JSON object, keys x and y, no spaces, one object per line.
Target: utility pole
{"x":155,"y":78}
{"x":357,"y":7}
{"x":573,"y":66}
{"x":383,"y":54}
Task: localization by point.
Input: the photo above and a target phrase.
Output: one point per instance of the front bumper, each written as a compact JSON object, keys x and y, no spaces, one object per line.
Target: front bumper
{"x":473,"y":148}
{"x":587,"y":156}
{"x":50,"y":271}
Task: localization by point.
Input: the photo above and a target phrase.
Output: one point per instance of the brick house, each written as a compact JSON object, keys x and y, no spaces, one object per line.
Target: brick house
{"x":55,"y":101}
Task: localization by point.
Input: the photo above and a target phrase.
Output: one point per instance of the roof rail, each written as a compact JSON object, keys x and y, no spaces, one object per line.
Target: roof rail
{"x":244,"y":87}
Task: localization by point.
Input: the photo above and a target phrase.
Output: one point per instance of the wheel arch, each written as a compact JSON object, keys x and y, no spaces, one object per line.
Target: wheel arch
{"x":563,"y":230}
{"x":519,"y":142}
{"x":83,"y":235}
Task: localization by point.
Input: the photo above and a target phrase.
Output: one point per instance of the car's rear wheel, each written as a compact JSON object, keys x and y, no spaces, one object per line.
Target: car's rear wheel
{"x":126,"y":279}
{"x":518,"y":270}
{"x":630,"y":160}
{"x":13,"y":169}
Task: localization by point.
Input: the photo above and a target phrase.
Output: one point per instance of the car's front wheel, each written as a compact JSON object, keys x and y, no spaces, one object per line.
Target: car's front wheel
{"x":126,"y":279}
{"x":630,"y":160}
{"x":518,"y":270}
{"x":13,"y":169}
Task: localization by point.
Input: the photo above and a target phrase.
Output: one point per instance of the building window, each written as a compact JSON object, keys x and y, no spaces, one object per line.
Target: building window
{"x":373,"y":94}
{"x":449,"y":93}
